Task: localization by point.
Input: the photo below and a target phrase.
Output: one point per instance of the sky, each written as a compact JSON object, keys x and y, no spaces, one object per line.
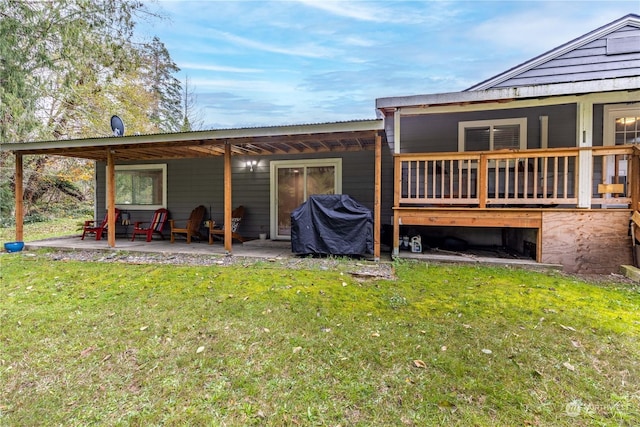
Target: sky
{"x":270,"y":63}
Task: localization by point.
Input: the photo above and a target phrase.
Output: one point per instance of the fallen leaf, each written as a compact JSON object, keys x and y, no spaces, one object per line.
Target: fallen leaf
{"x":297,"y":349}
{"x":569,"y":366}
{"x":576,"y":344}
{"x":375,"y":334}
{"x":419,"y":364}
{"x":464,"y":325}
{"x":567,"y":328}
{"x":107,"y":357}
{"x":144,"y":328}
{"x":486,"y":351}
{"x":200,"y":349}
{"x":87,"y":351}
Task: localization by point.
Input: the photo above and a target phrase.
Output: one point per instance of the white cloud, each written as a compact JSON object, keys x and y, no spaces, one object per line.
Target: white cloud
{"x":309,"y":50}
{"x":217,"y":68}
{"x":537,"y":30}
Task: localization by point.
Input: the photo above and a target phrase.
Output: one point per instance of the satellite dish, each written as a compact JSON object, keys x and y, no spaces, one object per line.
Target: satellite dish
{"x":117,"y":126}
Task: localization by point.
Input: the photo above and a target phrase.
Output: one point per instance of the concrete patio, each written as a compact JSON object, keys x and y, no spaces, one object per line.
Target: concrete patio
{"x":265,"y":249}
{"x":253,"y":248}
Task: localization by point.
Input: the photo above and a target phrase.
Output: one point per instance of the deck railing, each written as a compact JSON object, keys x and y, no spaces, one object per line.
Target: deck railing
{"x":541,"y":177}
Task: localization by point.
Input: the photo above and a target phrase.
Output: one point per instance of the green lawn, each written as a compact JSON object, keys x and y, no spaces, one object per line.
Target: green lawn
{"x":45,"y":229}
{"x":115,"y":344}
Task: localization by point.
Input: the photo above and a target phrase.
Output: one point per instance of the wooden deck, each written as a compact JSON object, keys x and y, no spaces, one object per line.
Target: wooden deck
{"x":578,"y":202}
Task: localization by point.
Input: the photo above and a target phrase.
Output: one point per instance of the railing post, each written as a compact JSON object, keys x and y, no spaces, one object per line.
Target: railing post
{"x":585,"y":177}
{"x":482,"y":181}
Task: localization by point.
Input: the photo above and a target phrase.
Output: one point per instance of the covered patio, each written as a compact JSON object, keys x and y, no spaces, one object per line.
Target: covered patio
{"x":292,"y":141}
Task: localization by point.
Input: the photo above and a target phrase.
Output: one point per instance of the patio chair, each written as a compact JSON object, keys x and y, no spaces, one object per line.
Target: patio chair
{"x":155,"y":226}
{"x":236,"y":217}
{"x":90,"y":226}
{"x":191,"y":227}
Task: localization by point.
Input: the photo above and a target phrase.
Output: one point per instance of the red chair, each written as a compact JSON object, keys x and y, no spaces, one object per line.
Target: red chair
{"x":155,"y":226}
{"x":90,"y":226}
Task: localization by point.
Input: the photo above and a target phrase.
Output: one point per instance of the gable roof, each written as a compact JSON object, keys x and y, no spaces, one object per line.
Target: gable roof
{"x":611,"y":51}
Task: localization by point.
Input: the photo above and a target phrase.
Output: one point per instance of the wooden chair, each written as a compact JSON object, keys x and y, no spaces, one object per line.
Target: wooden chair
{"x":91,"y":227}
{"x":236,"y":217}
{"x":155,"y":226}
{"x":192,"y":226}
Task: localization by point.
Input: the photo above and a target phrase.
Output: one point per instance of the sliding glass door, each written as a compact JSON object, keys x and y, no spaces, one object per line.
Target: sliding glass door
{"x":292,"y":182}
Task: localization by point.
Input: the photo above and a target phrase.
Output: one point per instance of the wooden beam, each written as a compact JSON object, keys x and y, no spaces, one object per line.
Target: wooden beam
{"x":111,"y":199}
{"x":19,"y":190}
{"x":227,"y":198}
{"x":498,"y":217}
{"x":376,"y":197}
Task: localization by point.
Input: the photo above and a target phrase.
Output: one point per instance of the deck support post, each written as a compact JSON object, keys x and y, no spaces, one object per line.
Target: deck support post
{"x":19,"y":194}
{"x":377,"y":196}
{"x":397,"y":187}
{"x":111,"y":199}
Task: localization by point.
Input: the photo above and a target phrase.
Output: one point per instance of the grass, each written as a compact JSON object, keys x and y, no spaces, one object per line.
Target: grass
{"x":115,"y":344}
{"x":65,"y":226}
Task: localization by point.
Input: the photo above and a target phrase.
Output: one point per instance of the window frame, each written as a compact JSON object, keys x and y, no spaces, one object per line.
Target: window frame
{"x":145,"y":167}
{"x":491,"y":123}
{"x":336,"y":162}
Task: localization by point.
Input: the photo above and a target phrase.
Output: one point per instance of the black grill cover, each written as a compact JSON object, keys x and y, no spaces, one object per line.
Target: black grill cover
{"x":331,"y":225}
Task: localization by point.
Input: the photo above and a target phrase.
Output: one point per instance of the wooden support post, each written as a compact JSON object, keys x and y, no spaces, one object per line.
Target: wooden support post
{"x":376,"y":197}
{"x":227,"y":197}
{"x":397,"y":187}
{"x":111,"y":199}
{"x":19,"y":190}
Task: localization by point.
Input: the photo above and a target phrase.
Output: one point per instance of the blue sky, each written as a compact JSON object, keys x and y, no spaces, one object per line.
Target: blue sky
{"x":263,"y":63}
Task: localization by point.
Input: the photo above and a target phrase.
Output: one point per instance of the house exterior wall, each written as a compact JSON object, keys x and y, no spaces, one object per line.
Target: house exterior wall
{"x":439,"y":132}
{"x":193,"y":182}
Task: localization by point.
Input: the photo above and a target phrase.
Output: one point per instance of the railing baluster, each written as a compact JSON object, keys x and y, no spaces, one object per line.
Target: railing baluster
{"x":543,"y":177}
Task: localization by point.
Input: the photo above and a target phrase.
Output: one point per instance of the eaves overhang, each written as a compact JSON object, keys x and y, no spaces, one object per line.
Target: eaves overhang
{"x":290,"y":139}
{"x":502,"y":95}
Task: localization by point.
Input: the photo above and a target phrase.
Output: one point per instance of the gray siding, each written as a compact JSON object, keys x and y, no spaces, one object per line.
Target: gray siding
{"x":592,"y":61}
{"x":439,"y":132}
{"x":193,"y":182}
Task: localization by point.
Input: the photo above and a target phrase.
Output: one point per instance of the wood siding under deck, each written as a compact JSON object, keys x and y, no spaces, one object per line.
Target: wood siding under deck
{"x":532,"y":189}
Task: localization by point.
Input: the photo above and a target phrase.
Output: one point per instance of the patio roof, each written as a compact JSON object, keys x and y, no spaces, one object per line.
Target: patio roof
{"x":292,"y":139}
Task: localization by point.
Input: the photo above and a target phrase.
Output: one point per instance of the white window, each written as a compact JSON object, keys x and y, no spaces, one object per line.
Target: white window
{"x":489,"y":135}
{"x":142,"y":187}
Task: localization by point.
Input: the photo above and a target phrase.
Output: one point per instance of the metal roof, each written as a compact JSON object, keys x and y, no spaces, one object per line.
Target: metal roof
{"x":290,"y":139}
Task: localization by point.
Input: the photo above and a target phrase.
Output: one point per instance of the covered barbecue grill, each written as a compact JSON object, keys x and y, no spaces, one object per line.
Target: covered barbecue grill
{"x":332,"y":225}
